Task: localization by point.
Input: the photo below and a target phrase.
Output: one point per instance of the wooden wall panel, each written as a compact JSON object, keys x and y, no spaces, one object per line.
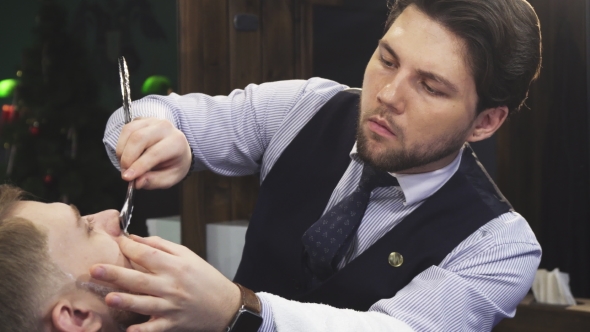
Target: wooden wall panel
{"x":216,"y":71}
{"x":246,"y":68}
{"x":245,"y":46}
{"x":190,"y":57}
{"x":191,"y":61}
{"x":215,"y":47}
{"x":204,"y":57}
{"x":278,"y":45}
{"x":304,"y":40}
{"x":215,"y":58}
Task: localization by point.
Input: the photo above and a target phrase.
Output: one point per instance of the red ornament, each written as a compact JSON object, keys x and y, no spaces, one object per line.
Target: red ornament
{"x":34,"y":130}
{"x":7,"y":113}
{"x":48,"y":179}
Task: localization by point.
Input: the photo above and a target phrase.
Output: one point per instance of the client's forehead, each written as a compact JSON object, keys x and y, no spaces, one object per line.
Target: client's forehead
{"x":38,"y":212}
{"x":59,"y":221}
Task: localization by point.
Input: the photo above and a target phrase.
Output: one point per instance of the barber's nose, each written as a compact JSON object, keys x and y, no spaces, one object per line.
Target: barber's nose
{"x":107,"y":221}
{"x":392,"y":93}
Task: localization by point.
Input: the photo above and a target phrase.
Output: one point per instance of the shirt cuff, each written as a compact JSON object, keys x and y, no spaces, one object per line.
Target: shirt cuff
{"x":268,"y":323}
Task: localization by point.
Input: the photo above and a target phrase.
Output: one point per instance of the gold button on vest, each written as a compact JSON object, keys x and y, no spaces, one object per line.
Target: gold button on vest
{"x":395,"y":259}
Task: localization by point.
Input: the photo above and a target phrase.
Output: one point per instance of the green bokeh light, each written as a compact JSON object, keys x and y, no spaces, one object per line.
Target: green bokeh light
{"x":7,"y":87}
{"x":158,"y":85}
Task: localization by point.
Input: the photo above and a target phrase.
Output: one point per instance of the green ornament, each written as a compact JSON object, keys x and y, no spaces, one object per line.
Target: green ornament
{"x":156,"y":85}
{"x":7,"y":87}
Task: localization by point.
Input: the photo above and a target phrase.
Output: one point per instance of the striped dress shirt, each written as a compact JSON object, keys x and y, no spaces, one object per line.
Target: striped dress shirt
{"x":476,"y":285}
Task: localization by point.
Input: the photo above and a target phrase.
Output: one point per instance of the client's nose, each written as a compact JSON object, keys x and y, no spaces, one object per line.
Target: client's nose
{"x":108,"y":221}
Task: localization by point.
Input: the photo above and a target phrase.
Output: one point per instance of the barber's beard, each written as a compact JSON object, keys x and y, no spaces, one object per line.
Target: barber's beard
{"x":123,"y":319}
{"x":395,"y":160}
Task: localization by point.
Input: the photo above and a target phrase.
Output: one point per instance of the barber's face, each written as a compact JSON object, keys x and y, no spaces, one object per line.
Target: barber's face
{"x":419,"y":97}
{"x":76,"y":242}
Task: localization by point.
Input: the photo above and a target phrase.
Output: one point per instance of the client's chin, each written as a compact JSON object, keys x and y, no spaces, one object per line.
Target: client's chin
{"x":124,"y":319}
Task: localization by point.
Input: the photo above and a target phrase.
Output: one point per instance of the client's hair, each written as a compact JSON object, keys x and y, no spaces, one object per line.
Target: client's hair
{"x":28,"y":276}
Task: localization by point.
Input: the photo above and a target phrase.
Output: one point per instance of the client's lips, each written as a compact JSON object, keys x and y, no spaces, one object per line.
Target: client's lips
{"x":380,"y":126}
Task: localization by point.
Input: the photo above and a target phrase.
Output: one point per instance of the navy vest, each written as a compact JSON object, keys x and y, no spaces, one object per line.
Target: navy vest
{"x":296,"y":191}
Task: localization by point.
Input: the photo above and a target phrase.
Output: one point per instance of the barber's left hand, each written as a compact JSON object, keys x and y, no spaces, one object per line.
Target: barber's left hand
{"x":182,"y":291}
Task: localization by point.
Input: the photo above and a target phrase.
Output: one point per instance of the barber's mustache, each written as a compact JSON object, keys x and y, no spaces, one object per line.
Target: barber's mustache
{"x":386,"y":115}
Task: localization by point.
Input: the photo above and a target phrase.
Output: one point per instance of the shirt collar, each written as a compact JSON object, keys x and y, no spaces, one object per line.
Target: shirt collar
{"x":418,"y":187}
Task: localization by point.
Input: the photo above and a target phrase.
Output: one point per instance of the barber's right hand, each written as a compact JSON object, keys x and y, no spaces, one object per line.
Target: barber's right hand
{"x":153,"y":153}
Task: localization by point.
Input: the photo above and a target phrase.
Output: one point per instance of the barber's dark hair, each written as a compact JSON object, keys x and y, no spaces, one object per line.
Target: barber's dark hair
{"x":503,"y":41}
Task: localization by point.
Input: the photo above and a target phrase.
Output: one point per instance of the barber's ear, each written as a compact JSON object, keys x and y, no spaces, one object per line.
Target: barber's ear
{"x":487,"y":123}
{"x":69,"y":317}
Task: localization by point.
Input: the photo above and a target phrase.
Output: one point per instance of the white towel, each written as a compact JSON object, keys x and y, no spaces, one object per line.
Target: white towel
{"x":292,"y":316}
{"x":553,"y":287}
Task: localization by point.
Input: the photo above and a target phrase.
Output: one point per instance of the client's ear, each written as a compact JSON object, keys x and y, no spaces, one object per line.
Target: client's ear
{"x":76,"y":316}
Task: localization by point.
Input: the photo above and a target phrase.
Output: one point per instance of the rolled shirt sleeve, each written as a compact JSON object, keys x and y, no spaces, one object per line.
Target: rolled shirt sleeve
{"x":239,"y":134}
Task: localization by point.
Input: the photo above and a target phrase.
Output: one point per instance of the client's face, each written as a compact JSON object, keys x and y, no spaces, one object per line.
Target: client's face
{"x":77,"y":242}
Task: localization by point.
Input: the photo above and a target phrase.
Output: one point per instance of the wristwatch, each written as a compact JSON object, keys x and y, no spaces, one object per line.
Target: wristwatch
{"x":248,"y":318}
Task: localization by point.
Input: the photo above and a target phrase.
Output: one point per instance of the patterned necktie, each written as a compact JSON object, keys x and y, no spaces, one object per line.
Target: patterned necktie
{"x":327,"y":240}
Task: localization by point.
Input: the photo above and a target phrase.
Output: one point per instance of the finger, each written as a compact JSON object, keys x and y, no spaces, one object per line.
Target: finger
{"x":160,"y":179}
{"x":169,"y":154}
{"x":128,"y":279}
{"x":152,"y":259}
{"x":161,"y":244}
{"x":141,"y":304}
{"x":155,"y":325}
{"x":127,"y":130}
{"x":139,"y":141}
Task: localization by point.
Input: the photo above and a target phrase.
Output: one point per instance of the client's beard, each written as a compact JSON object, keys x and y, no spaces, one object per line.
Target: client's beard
{"x":122,"y":318}
{"x":404,"y":159}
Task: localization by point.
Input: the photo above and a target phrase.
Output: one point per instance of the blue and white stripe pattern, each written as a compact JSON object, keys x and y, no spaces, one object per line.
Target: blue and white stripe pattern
{"x":480,"y":282}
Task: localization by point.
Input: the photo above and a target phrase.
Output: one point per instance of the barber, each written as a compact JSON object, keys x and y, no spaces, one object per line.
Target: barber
{"x":373,"y":212}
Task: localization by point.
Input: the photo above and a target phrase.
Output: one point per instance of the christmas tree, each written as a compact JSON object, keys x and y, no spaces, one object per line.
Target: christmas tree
{"x":53,"y":141}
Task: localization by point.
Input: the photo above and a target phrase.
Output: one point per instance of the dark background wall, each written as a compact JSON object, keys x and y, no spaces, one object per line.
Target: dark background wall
{"x":17,"y":19}
{"x":105,"y":27}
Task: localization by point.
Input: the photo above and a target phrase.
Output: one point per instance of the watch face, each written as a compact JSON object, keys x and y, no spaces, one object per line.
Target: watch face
{"x":247,"y":322}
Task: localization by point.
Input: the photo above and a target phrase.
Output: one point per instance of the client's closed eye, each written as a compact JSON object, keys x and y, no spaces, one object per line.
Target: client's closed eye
{"x":89,"y":224}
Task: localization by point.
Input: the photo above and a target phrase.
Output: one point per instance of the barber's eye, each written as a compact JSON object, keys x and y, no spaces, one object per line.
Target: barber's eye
{"x":428,"y":88}
{"x":385,"y":62}
{"x":431,"y":90}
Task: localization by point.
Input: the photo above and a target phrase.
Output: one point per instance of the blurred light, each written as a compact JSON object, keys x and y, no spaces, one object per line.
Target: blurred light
{"x":8,"y":108}
{"x":7,"y":87}
{"x":158,"y":85}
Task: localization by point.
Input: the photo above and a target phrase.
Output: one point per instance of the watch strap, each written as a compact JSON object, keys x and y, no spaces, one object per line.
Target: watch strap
{"x":249,"y":300}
